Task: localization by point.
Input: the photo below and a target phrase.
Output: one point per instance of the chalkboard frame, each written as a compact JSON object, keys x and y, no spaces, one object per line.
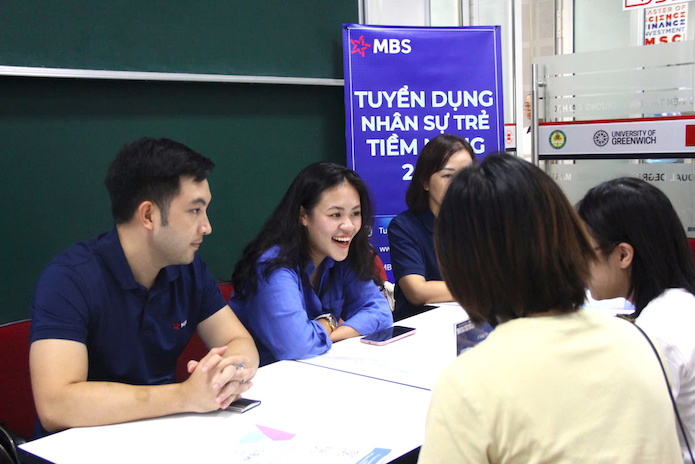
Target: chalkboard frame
{"x":275,"y":41}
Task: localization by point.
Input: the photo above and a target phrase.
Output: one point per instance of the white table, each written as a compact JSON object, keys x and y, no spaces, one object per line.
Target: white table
{"x":308,"y":414}
{"x":418,"y":360}
{"x":415,"y":361}
{"x":356,"y":404}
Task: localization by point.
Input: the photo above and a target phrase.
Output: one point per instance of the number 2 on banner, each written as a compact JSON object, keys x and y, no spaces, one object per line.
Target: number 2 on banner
{"x":408,"y":171}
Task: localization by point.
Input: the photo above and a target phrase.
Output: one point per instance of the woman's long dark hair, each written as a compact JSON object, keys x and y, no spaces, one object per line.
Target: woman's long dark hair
{"x":632,"y":211}
{"x":285,"y":230}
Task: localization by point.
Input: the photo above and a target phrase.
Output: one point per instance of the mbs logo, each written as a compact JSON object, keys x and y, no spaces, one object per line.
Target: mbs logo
{"x":388,"y":46}
{"x":359,"y":45}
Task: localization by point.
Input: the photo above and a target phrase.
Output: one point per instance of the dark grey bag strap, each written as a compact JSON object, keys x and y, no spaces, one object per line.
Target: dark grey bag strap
{"x":668,"y":386}
{"x":5,"y":457}
{"x":8,"y":446}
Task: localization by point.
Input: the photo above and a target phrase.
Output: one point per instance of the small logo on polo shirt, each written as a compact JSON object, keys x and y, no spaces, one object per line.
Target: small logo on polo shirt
{"x":180,"y":325}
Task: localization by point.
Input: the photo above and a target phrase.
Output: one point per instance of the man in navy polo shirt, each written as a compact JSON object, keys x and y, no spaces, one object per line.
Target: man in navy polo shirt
{"x":111,"y":315}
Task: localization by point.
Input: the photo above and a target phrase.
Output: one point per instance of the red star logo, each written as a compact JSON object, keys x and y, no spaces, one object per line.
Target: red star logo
{"x":358,"y":46}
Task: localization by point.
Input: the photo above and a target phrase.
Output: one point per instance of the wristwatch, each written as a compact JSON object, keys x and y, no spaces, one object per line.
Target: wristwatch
{"x":331,"y":320}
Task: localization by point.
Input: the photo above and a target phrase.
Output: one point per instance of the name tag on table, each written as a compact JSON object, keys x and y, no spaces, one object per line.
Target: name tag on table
{"x":468,"y":335}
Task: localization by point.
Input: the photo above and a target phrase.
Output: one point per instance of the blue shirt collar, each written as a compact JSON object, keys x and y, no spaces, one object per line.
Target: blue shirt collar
{"x":427,"y":219}
{"x":110,"y":249}
{"x":326,"y":265}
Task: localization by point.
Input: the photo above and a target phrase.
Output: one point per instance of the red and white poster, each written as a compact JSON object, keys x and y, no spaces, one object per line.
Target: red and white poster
{"x":665,"y":24}
{"x":664,"y":137}
{"x":636,"y":4}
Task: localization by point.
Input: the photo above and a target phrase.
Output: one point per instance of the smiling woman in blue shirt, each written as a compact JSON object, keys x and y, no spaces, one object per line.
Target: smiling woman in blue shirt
{"x":308,"y":279}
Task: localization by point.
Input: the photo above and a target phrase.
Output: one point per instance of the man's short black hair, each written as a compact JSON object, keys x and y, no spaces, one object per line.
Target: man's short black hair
{"x":150,"y":169}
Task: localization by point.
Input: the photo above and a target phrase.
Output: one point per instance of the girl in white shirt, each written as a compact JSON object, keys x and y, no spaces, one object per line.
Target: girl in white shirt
{"x":644,"y":257}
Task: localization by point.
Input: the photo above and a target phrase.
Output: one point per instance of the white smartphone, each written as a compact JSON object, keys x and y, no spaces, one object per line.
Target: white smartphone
{"x":386,"y":336}
{"x":242,"y":405}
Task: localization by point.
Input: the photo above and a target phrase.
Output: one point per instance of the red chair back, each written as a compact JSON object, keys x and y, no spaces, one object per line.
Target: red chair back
{"x":380,"y":268}
{"x":196,"y":349}
{"x":226,"y":290}
{"x":691,"y":242}
{"x":17,"y":408}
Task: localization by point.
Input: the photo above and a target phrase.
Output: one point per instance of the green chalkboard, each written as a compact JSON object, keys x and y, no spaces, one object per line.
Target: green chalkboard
{"x":290,"y":38}
{"x":59,"y":136}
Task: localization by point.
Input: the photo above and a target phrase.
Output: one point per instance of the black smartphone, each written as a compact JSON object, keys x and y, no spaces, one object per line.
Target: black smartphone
{"x":386,"y":336}
{"x":242,"y":405}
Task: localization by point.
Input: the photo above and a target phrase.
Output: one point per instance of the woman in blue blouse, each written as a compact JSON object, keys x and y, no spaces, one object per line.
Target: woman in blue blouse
{"x":308,"y":279}
{"x":414,"y":262}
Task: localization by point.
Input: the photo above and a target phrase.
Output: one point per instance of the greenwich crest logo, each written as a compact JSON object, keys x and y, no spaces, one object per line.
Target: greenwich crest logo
{"x":601,"y":138}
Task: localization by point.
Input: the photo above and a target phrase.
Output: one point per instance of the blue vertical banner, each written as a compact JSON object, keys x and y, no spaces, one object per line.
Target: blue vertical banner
{"x":406,"y":85}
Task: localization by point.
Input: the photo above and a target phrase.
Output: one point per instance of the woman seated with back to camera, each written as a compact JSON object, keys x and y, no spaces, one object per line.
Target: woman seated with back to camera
{"x":418,"y":281}
{"x":309,"y":279}
{"x":644,"y":257}
{"x":552,"y":383}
